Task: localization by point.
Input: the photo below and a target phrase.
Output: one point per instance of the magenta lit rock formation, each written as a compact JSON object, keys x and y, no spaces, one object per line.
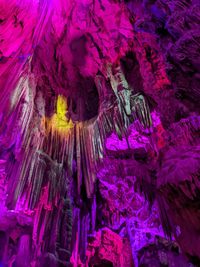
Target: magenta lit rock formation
{"x":99,"y":133}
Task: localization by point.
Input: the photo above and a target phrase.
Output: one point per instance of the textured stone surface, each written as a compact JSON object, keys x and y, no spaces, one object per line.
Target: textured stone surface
{"x":99,"y":133}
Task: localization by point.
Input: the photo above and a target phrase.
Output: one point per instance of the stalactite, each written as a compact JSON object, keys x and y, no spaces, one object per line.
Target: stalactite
{"x":167,"y":227}
{"x":50,"y":146}
{"x":50,"y":142}
{"x":90,"y":135}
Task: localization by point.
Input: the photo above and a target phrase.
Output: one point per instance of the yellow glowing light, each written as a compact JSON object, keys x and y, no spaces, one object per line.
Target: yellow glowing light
{"x":58,"y":122}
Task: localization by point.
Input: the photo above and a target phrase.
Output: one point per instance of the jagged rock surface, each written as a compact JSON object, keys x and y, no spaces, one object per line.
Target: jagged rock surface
{"x":108,"y":176}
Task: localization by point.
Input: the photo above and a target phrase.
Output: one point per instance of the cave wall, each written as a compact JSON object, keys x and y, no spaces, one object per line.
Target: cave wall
{"x":99,"y":133}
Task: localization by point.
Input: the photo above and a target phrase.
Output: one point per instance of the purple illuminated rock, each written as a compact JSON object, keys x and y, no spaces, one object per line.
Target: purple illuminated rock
{"x":108,"y":175}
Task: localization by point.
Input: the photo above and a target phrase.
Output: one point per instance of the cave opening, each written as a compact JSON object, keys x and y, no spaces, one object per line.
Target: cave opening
{"x":131,"y":69}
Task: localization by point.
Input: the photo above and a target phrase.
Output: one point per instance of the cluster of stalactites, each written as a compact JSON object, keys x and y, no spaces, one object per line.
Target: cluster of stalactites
{"x":70,"y":144}
{"x":86,"y":139}
{"x":49,"y":150}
